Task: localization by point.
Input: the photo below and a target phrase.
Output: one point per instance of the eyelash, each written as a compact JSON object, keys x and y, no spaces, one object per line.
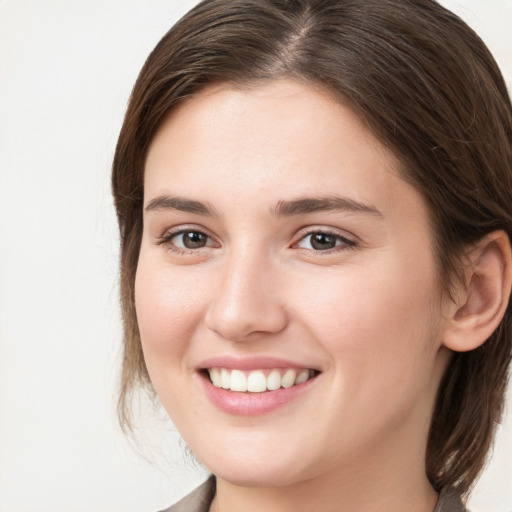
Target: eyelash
{"x":341,"y":243}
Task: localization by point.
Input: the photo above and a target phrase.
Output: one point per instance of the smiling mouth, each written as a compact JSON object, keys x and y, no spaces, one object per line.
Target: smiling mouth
{"x":258,"y":381}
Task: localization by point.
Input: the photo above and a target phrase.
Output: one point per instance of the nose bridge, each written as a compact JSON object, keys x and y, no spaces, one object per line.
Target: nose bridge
{"x":246,"y":300}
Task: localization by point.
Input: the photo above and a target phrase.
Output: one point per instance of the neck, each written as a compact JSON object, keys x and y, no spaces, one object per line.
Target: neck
{"x":387,"y":479}
{"x":334,"y":497}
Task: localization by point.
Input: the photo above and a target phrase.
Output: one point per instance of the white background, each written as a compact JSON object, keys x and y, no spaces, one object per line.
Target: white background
{"x":66,"y":70}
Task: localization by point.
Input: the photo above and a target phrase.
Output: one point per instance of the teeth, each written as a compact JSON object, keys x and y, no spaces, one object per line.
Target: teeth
{"x":238,"y":381}
{"x":216,"y":378}
{"x":258,"y":381}
{"x":225,"y":379}
{"x":288,"y":379}
{"x":302,"y":376}
{"x":274,"y":380}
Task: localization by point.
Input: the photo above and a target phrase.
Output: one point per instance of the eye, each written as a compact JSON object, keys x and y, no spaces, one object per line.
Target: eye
{"x":190,"y":240}
{"x":186,"y":240}
{"x":323,"y":241}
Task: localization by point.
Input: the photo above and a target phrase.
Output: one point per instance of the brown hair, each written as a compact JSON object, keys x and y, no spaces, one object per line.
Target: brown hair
{"x":428,"y":88}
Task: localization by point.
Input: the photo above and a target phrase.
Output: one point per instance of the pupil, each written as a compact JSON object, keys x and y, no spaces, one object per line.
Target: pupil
{"x":322,"y":241}
{"x":194,"y":239}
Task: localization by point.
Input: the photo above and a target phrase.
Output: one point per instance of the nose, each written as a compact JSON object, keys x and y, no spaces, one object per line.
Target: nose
{"x":247,"y":302}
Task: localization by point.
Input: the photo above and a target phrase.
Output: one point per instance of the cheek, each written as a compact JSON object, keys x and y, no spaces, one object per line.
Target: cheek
{"x":168,"y":306}
{"x":377,"y":322}
{"x":379,"y":331}
{"x":169,"y":311}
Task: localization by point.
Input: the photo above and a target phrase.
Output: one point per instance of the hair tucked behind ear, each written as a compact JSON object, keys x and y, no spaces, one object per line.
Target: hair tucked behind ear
{"x":428,"y":88}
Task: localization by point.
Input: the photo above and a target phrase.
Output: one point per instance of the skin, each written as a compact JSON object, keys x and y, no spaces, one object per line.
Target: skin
{"x":369,"y":314}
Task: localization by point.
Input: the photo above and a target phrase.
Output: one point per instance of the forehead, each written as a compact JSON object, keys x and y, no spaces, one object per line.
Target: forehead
{"x":281,"y":138}
{"x":284,"y":118}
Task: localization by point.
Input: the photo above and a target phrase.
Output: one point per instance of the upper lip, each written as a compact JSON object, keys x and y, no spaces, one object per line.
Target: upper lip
{"x":250,"y":363}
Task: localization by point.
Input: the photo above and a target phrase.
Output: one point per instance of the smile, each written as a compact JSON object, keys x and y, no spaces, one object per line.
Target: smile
{"x":258,"y":381}
{"x":259,"y":384}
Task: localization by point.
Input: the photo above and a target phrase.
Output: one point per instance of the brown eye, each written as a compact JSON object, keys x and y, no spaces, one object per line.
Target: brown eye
{"x":324,"y":241}
{"x":190,"y":240}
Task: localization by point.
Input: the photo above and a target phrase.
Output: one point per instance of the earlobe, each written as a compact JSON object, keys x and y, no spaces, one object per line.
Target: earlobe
{"x":483,"y":298}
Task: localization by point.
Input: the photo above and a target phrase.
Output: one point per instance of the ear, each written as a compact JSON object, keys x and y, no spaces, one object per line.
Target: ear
{"x":482,"y":300}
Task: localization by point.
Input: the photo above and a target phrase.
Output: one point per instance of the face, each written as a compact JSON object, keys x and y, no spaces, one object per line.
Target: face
{"x":286,"y":291}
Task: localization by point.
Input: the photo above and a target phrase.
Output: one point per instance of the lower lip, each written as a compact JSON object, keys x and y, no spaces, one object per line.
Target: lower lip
{"x":252,"y":404}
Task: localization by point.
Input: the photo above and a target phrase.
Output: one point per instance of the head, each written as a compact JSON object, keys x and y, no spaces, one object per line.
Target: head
{"x":425,"y":86}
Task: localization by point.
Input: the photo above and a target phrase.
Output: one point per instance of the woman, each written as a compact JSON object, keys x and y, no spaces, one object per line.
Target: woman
{"x":314,"y":203}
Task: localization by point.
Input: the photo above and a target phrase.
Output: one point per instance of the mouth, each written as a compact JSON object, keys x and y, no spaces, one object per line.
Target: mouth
{"x":258,"y":381}
{"x":255,"y":385}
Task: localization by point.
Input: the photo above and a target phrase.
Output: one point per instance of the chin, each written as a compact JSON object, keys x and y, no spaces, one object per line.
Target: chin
{"x":264,"y":475}
{"x":257,"y":465}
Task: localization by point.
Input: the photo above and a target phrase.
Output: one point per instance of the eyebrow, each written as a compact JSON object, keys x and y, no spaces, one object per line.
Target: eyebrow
{"x":282,"y":209}
{"x":181,"y":204}
{"x":318,"y":204}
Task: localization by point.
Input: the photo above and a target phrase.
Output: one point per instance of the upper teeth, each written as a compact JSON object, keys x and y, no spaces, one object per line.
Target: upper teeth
{"x":257,"y":381}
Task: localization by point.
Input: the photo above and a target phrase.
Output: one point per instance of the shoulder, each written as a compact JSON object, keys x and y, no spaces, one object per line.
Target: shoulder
{"x":449,"y":501}
{"x":199,"y":500}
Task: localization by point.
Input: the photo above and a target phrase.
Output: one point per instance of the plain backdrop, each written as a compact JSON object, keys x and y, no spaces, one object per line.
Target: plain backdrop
{"x":66,"y":71}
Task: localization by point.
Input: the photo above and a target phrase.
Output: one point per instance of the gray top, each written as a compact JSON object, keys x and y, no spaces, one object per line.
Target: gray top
{"x":201,"y":498}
